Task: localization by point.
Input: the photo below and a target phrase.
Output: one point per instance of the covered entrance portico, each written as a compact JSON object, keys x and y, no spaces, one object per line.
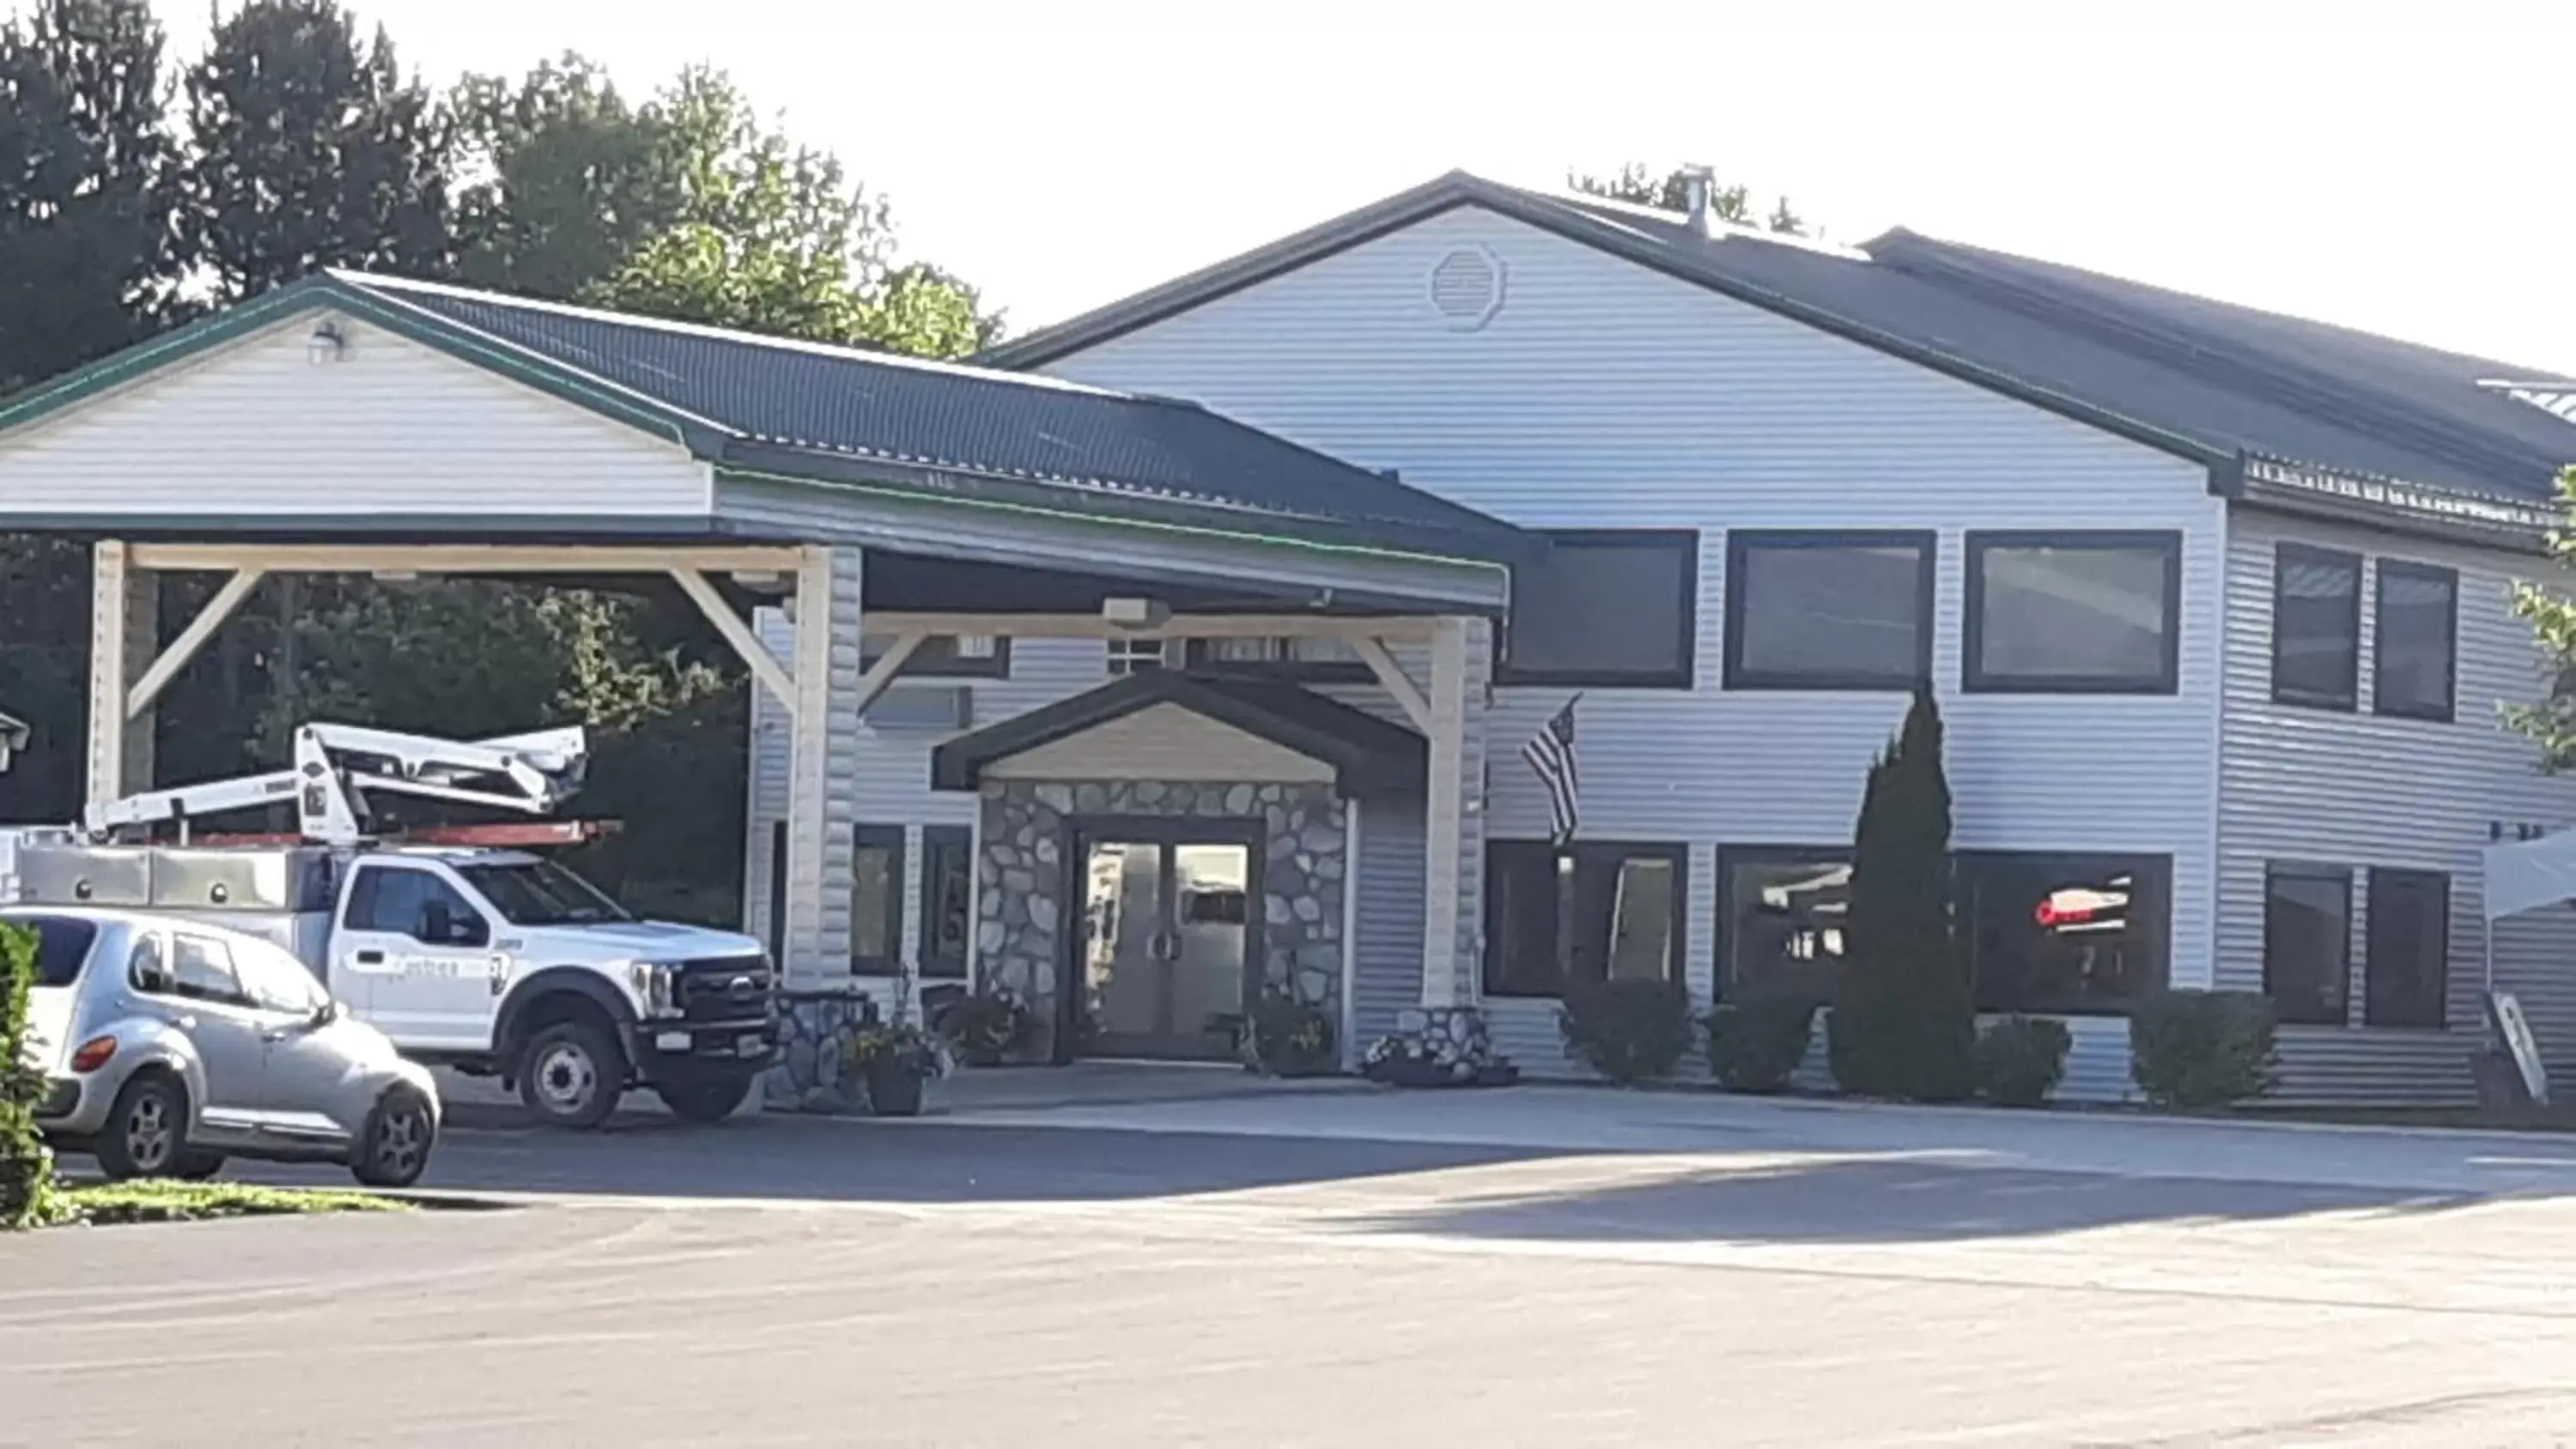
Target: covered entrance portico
{"x":1165,"y":853}
{"x":886,"y":509}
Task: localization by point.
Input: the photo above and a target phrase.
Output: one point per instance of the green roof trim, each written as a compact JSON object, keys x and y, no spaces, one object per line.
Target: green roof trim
{"x":785,"y":411}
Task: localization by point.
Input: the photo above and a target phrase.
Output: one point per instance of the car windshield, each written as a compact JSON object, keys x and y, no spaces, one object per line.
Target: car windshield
{"x":541,"y":893}
{"x":61,"y":946}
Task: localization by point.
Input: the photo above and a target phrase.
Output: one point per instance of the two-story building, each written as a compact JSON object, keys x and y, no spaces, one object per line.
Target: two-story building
{"x":2216,"y":604}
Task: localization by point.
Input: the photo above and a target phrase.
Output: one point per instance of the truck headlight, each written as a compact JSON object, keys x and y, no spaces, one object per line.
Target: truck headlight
{"x":658,"y":983}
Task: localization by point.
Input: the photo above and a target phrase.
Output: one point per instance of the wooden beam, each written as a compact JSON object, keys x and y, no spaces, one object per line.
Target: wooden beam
{"x":190,"y":640}
{"x":764,"y":665}
{"x":1404,"y":629}
{"x":465,"y":558}
{"x":882,"y":673}
{"x":1391,"y":675}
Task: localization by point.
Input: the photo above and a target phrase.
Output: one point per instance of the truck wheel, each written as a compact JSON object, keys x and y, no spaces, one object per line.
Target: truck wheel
{"x":147,"y":1129}
{"x":571,"y":1075}
{"x":710,"y":1100}
{"x":394,"y":1146}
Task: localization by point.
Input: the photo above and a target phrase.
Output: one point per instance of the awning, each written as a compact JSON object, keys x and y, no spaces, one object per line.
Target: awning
{"x":1368,"y":755}
{"x":2524,"y":875}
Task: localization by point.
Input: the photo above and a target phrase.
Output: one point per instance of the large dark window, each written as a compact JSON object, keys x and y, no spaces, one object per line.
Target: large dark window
{"x":876,"y":900}
{"x":1828,"y":610}
{"x":2064,"y":932}
{"x":1609,"y":608}
{"x":2307,"y":942}
{"x":2316,"y":626}
{"x":947,"y":900}
{"x":2407,"y":964}
{"x":946,"y":656}
{"x":2417,"y":640}
{"x":1590,"y":911}
{"x":2072,"y":613}
{"x":1780,"y":921}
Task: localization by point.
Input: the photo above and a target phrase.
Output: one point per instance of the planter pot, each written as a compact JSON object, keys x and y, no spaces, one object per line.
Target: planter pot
{"x":1415,"y":1074}
{"x":894,"y":1091}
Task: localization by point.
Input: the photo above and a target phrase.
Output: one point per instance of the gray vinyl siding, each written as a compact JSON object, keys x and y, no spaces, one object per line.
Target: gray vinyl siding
{"x":1387,"y":957}
{"x":1601,"y":394}
{"x":2363,"y":789}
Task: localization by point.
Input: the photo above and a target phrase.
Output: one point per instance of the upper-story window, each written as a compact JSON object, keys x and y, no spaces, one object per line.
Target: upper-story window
{"x":1319,"y":660}
{"x":945,"y":656}
{"x":1615,"y":608}
{"x":1828,"y":610}
{"x":1126,"y":656}
{"x":2072,"y":613}
{"x":2414,"y":652}
{"x":2316,"y":626}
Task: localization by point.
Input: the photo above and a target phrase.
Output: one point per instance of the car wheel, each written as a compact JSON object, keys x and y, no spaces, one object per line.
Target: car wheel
{"x":571,"y":1075}
{"x":393,"y":1147}
{"x":704,"y":1101}
{"x":147,"y":1130}
{"x":197,"y":1164}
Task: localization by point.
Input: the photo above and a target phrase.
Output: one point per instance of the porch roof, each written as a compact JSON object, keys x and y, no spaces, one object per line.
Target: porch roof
{"x":1368,"y":755}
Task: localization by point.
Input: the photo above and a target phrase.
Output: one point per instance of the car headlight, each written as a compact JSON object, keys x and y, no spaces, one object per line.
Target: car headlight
{"x":658,"y":982}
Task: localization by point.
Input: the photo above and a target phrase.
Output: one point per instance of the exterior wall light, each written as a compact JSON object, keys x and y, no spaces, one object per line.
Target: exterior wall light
{"x":327,"y":344}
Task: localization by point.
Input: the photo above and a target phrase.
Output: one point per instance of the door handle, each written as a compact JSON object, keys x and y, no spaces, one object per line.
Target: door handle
{"x":370,"y":958}
{"x":280,"y":1034}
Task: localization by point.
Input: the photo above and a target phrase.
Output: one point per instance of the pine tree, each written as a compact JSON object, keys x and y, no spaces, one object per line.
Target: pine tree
{"x":87,"y":167}
{"x":1904,"y":1022}
{"x":311,"y":152}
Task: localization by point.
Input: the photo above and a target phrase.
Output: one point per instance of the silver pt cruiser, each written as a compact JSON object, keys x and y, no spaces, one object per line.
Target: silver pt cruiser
{"x":167,"y":1046}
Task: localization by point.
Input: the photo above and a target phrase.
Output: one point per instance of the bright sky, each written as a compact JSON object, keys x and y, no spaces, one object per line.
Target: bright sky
{"x":2402,"y":169}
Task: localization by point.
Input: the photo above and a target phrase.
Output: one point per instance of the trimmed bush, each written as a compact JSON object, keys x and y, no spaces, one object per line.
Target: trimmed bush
{"x":1628,"y":1031}
{"x":28,"y":1196}
{"x":2021,"y":1059}
{"x":1756,"y":1045}
{"x":2194,"y":1050}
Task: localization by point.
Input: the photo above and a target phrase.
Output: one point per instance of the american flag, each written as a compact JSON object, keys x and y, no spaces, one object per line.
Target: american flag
{"x":1550,"y":753}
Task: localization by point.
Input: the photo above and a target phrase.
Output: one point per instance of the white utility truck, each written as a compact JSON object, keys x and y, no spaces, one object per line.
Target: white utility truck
{"x":467,"y":954}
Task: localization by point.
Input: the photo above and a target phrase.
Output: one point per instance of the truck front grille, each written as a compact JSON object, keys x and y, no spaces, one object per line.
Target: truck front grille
{"x":727,"y":988}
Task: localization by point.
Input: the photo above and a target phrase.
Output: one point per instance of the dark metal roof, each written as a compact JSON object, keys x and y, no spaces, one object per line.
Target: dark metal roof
{"x":784,"y":405}
{"x":1369,"y":756}
{"x":2204,"y":379}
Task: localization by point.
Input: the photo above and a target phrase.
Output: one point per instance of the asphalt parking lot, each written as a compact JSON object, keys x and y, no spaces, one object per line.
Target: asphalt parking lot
{"x":1532,"y":1266}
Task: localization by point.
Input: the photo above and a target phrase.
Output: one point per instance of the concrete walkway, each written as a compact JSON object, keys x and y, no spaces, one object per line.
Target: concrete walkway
{"x":1723,"y":1127}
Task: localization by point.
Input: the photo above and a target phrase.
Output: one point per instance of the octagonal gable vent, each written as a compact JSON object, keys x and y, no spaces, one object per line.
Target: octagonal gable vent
{"x":1467,"y":287}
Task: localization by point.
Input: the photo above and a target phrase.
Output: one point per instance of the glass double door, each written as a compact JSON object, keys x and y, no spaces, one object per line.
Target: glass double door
{"x":1166,"y":951}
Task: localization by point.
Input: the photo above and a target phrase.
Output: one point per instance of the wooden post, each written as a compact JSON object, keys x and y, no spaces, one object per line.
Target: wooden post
{"x":125,"y":623}
{"x":824,"y":725}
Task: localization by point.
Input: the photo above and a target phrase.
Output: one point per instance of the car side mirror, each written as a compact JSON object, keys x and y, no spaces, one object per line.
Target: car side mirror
{"x":325,"y":1014}
{"x":440,"y":925}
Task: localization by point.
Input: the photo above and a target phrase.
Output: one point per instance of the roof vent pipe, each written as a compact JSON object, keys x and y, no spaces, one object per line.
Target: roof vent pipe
{"x":1696,"y":181}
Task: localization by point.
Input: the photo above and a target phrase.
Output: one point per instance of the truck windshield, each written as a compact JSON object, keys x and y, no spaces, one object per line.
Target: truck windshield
{"x":540,"y":893}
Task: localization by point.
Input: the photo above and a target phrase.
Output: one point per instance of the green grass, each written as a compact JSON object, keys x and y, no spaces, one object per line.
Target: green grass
{"x":164,"y":1200}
